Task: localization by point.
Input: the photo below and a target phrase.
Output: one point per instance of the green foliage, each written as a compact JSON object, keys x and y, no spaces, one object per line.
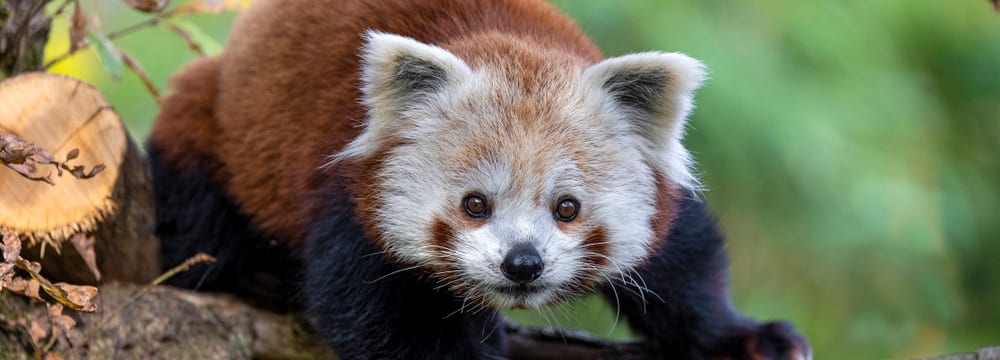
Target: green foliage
{"x":849,"y":148}
{"x":109,"y":55}
{"x":850,"y":152}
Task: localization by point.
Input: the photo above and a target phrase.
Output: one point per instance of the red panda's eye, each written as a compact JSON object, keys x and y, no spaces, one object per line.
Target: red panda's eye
{"x":475,"y":205}
{"x":567,"y":209}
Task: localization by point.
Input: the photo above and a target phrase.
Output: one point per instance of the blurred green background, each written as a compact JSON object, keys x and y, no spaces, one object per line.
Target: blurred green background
{"x":849,"y":148}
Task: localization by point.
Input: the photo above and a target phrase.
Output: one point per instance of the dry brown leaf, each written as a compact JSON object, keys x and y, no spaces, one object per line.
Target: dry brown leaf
{"x":80,"y":297}
{"x":37,"y":331}
{"x":78,"y":28}
{"x":149,"y":6}
{"x":85,"y":246}
{"x":31,"y":266}
{"x":78,"y":172}
{"x":26,"y":171}
{"x":65,"y":323}
{"x":11,"y":249}
{"x":24,"y":157}
{"x":59,"y":320}
{"x":72,"y":154}
{"x":53,"y":356}
{"x":77,"y":297}
{"x":18,"y":285}
{"x":139,"y":71}
{"x":25,"y":287}
{"x":212,"y":6}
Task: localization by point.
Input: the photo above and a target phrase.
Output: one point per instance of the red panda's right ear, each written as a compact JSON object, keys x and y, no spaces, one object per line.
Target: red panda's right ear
{"x":654,"y":92}
{"x":398,"y":74}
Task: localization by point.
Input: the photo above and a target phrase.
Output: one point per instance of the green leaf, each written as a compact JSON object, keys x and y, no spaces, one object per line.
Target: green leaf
{"x":196,"y":38}
{"x":109,"y":54}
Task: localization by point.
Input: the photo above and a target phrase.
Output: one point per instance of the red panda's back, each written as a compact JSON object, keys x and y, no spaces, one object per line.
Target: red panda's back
{"x":288,"y":86}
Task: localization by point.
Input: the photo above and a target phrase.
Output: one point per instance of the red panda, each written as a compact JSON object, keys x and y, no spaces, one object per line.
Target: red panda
{"x":409,"y":168}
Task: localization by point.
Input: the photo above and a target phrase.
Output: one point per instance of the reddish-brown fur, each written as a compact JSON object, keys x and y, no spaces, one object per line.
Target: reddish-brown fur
{"x":265,"y":114}
{"x":597,"y":246}
{"x":443,"y":237}
{"x":666,"y":210}
{"x":188,"y":138}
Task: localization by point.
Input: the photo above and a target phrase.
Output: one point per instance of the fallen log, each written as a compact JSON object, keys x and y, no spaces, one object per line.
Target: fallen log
{"x":165,"y":323}
{"x":171,"y":323}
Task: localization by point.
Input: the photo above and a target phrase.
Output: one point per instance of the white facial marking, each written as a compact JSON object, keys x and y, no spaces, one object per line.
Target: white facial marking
{"x":598,"y":135}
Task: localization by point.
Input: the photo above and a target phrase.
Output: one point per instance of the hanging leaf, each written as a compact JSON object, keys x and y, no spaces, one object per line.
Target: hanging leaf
{"x":77,"y":297}
{"x":84,"y":245}
{"x":72,"y":154}
{"x":78,"y":28}
{"x":147,"y":6}
{"x":197,"y":40}
{"x":108,"y":53}
{"x":25,"y":287}
{"x":136,"y":68}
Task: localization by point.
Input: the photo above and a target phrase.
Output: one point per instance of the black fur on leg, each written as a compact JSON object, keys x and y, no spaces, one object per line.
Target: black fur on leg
{"x":195,"y":215}
{"x":690,"y":315}
{"x":362,"y":312}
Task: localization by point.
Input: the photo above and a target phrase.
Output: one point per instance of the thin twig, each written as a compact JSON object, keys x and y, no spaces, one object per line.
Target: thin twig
{"x":184,"y":266}
{"x":150,"y":22}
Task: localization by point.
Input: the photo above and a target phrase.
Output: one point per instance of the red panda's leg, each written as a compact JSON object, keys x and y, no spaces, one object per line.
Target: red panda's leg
{"x":367,"y":307}
{"x":685,"y":310}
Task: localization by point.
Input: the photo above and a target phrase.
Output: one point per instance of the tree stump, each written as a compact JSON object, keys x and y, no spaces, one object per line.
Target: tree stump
{"x":111,"y":213}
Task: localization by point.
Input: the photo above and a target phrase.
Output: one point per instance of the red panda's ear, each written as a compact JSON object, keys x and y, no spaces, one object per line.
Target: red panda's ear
{"x":398,"y":74}
{"x":655,"y":93}
{"x":397,"y":68}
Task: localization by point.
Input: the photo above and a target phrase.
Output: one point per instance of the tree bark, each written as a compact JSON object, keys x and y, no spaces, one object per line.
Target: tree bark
{"x":24,"y":28}
{"x":171,"y":323}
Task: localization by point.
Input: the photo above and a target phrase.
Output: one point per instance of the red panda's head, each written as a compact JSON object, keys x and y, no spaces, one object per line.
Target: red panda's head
{"x":520,"y":176}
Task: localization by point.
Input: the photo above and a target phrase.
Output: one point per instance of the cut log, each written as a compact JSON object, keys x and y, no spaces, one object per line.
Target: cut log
{"x":61,"y":116}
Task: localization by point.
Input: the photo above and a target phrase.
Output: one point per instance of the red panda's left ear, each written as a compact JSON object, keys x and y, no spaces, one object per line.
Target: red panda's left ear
{"x":654,"y":92}
{"x":398,"y":74}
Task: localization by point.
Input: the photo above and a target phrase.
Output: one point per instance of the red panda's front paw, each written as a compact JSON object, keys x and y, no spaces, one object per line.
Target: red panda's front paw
{"x":776,"y":340}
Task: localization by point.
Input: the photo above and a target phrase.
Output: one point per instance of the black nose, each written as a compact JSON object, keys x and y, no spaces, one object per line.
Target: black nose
{"x":522,"y":264}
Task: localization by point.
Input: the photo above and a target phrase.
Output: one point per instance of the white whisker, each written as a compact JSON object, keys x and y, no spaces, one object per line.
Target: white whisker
{"x":391,"y":274}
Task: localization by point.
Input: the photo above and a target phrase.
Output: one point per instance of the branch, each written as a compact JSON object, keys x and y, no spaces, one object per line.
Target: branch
{"x":553,"y":343}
